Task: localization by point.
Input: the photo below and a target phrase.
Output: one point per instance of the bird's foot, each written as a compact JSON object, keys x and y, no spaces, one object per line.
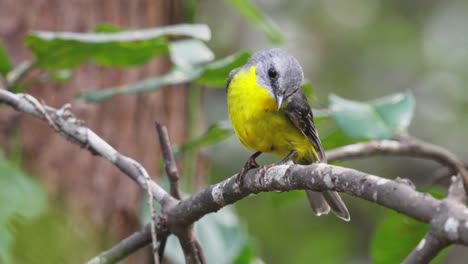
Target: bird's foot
{"x":292,"y":154}
{"x":250,"y":164}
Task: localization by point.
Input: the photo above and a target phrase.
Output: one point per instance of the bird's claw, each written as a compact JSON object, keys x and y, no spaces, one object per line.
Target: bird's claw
{"x":250,"y":164}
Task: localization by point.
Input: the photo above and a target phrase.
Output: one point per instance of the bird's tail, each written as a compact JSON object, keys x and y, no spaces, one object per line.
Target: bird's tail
{"x":322,"y":202}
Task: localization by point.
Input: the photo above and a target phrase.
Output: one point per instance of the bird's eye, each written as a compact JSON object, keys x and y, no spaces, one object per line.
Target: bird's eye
{"x":272,"y":73}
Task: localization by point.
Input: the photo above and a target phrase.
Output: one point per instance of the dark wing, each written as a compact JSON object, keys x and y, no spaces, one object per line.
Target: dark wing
{"x":300,"y":114}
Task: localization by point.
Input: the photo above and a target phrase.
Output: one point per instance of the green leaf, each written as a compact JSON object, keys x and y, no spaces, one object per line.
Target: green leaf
{"x":54,"y":237}
{"x":6,"y":240}
{"x":221,"y":235}
{"x":189,"y":53}
{"x":215,"y":133}
{"x":336,"y":138}
{"x":378,"y":119}
{"x":175,"y":76}
{"x":330,"y":135}
{"x":246,"y":256}
{"x":215,"y":73}
{"x":60,"y":76}
{"x":107,"y":28}
{"x":284,"y":198}
{"x":20,"y":194}
{"x":5,"y":64}
{"x":255,"y":17}
{"x":21,"y":198}
{"x":58,"y":50}
{"x":394,"y":238}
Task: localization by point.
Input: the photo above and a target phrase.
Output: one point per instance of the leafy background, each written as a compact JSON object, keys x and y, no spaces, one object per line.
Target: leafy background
{"x":378,"y":68}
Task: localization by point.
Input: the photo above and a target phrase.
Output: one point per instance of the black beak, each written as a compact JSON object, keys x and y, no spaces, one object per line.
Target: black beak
{"x":279,"y":101}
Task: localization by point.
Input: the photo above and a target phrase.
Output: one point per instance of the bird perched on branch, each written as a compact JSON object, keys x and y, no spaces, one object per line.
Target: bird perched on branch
{"x":270,"y":113}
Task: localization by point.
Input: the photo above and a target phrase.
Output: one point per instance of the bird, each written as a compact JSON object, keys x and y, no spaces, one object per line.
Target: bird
{"x":269,"y":113}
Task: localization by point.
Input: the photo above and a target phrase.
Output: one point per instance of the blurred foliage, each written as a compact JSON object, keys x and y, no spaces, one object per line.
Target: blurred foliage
{"x":222,"y":235}
{"x":56,"y":236}
{"x":257,"y":18}
{"x":214,"y":134}
{"x":5,"y":64}
{"x":59,"y":50}
{"x":21,"y":199}
{"x":405,"y":234}
{"x":207,"y":74}
{"x":378,"y":119}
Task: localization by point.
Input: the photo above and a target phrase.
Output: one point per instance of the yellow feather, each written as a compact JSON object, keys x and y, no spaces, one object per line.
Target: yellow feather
{"x":258,"y":124}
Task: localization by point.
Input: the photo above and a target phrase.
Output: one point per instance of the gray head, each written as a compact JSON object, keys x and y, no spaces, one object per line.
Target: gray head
{"x":278,"y":72}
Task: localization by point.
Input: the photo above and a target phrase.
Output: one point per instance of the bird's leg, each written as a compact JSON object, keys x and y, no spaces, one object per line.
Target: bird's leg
{"x":289,"y":157}
{"x":250,"y":164}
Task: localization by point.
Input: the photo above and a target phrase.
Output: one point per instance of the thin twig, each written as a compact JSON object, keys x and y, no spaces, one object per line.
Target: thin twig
{"x":192,"y":249}
{"x":15,"y":76}
{"x":172,"y":174}
{"x":169,"y":162}
{"x":154,"y":238}
{"x":124,"y":248}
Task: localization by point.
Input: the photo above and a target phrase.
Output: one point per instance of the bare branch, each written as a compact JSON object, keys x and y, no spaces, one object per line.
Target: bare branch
{"x":192,"y":249}
{"x":154,"y":238}
{"x":15,"y":76}
{"x":317,"y":177}
{"x":169,"y":161}
{"x":73,"y":130}
{"x":427,"y":249}
{"x":447,"y":217}
{"x":405,"y":146}
{"x":124,"y":248}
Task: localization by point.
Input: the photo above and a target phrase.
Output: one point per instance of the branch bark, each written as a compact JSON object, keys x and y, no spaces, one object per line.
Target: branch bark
{"x":428,"y":248}
{"x":404,"y":146}
{"x":169,"y":161}
{"x":192,"y":249}
{"x":124,"y":248}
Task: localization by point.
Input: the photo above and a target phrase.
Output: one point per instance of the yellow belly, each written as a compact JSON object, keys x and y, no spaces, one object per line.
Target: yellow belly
{"x":258,"y":124}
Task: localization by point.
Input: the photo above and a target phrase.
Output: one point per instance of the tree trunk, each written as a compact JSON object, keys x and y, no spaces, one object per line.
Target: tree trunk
{"x":85,"y":182}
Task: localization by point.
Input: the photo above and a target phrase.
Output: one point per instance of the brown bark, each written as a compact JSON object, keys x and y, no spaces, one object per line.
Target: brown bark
{"x":86,"y":182}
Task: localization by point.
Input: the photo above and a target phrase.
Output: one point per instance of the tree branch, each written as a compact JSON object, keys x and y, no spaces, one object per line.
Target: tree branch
{"x":447,"y":217}
{"x":169,"y":161}
{"x":404,"y":146}
{"x":63,"y":121}
{"x":427,"y":249}
{"x":124,"y":248}
{"x":192,"y":249}
{"x":15,"y":76}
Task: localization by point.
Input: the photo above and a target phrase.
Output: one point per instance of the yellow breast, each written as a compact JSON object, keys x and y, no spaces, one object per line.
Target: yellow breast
{"x":256,"y":121}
